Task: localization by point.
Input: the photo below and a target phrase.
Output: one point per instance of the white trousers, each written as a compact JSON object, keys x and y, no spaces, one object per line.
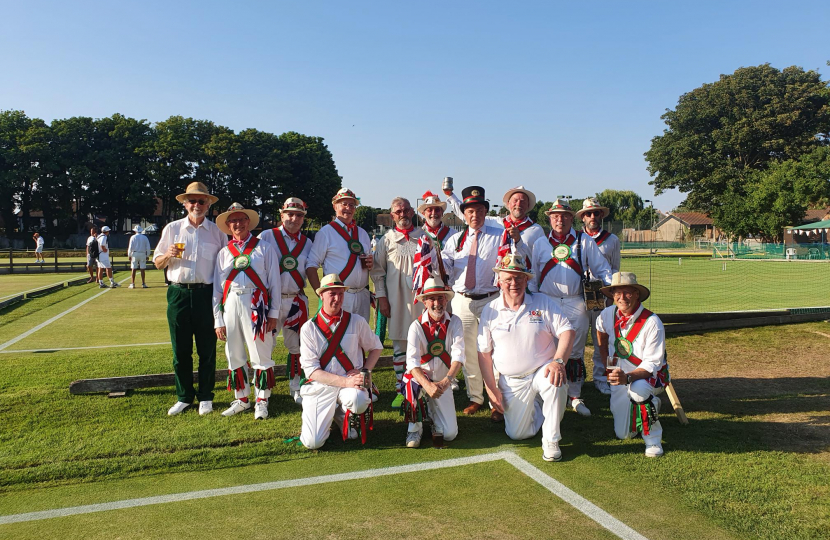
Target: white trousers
{"x":290,"y":338}
{"x":442,"y":413}
{"x":621,"y":396}
{"x":469,"y":311}
{"x":573,"y":307}
{"x":532,"y":402}
{"x":323,"y":404}
{"x":358,"y":302}
{"x":240,"y":336}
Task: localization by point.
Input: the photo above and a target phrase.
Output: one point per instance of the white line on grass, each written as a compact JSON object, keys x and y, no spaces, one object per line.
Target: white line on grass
{"x":55,"y":349}
{"x":43,"y":287}
{"x":42,"y":325}
{"x":591,"y":510}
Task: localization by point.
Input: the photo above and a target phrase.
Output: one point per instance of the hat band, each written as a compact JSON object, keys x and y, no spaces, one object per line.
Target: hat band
{"x":473,"y":198}
{"x":435,"y":289}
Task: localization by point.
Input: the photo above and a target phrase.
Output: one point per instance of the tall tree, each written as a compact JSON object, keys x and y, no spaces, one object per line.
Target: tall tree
{"x":19,"y":158}
{"x":72,"y":170}
{"x":312,"y":173}
{"x":628,"y":207}
{"x":720,"y":134}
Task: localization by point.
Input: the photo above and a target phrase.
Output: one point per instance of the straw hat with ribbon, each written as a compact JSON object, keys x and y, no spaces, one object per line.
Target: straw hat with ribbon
{"x":196,"y":190}
{"x":592,"y":204}
{"x":430,"y":200}
{"x":625,"y":279}
{"x":345,"y":193}
{"x":434,"y":287}
{"x":233,"y":209}
{"x":514,"y":263}
{"x":294,"y":204}
{"x":330,"y":282}
{"x":560,"y":205}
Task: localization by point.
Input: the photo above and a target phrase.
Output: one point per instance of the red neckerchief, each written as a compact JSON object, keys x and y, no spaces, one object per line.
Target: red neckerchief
{"x":350,"y":227}
{"x":432,"y":231}
{"x":240,"y":243}
{"x":522,"y":225}
{"x":331,"y":320}
{"x":558,"y":240}
{"x":295,"y":237}
{"x":622,"y":320}
{"x":406,"y":232}
{"x":434,"y":326}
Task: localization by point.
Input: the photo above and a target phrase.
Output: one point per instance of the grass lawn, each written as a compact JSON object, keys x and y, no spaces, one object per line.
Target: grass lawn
{"x":696,"y":285}
{"x":13,"y":284}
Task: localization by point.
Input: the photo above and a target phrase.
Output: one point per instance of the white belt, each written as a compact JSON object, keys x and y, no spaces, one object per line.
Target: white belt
{"x":522,"y":376}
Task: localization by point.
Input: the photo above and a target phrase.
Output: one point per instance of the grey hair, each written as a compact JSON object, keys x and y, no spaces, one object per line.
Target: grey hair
{"x":400,"y":200}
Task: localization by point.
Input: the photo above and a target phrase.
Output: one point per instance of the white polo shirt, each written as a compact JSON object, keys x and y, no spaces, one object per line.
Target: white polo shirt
{"x":357,"y":339}
{"x":202,"y":244}
{"x":649,"y":345}
{"x":289,"y":286}
{"x":331,"y":251}
{"x":139,"y":246}
{"x":523,"y":340}
{"x":417,"y":346}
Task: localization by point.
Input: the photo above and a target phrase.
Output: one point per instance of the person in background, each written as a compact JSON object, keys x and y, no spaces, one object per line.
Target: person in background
{"x":92,"y":251}
{"x":137,"y":251}
{"x":39,"y":244}
{"x":104,"y":263}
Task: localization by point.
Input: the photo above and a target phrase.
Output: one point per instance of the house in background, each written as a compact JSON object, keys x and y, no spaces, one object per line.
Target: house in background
{"x":686,"y":226}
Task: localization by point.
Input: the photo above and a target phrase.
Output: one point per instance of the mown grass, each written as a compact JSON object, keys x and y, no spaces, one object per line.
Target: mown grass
{"x":18,"y":283}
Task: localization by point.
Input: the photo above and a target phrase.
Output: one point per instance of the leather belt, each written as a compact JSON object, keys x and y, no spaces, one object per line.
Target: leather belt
{"x":478,"y":296}
{"x":193,"y":285}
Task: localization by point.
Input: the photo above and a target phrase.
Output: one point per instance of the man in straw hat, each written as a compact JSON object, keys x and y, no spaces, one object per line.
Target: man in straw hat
{"x":343,"y":248}
{"x":563,"y":260}
{"x":392,"y":274}
{"x":520,"y":232}
{"x":246,"y":307}
{"x":432,"y":209}
{"x":592,"y":214}
{"x":637,"y":368}
{"x":529,"y":340}
{"x":434,"y":356}
{"x":292,"y":248}
{"x":137,"y":251}
{"x":187,"y":250}
{"x":332,"y":345}
{"x":469,"y":258}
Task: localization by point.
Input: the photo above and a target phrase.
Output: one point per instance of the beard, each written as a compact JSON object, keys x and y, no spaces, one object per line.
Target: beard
{"x":404,"y":223}
{"x":437,"y":312}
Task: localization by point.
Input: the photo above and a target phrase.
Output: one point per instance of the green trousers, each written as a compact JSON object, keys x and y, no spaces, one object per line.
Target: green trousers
{"x":190,"y":315}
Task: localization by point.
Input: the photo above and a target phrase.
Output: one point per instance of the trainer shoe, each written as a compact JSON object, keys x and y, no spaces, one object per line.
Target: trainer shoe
{"x":654,"y":450}
{"x":261,"y":410}
{"x":397,"y":402}
{"x":132,"y":286}
{"x":298,"y":399}
{"x":579,"y":406}
{"x":551,"y":451}
{"x":603,"y":387}
{"x":177,"y":408}
{"x":413,"y":439}
{"x":205,"y":407}
{"x":101,"y":285}
{"x":144,"y":286}
{"x":237,"y":406}
{"x":114,"y":285}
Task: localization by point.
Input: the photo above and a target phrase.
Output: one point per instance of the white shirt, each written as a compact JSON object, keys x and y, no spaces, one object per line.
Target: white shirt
{"x":90,"y":239}
{"x":331,"y":252}
{"x":265,"y":263}
{"x":289,"y":286}
{"x":649,"y":345}
{"x":610,"y":249}
{"x":357,"y":339}
{"x":562,"y":280}
{"x":455,"y":263}
{"x":40,"y":241}
{"x":138,"y":244}
{"x":523,"y":340}
{"x":417,"y":346}
{"x":202,"y":244}
{"x":102,"y":243}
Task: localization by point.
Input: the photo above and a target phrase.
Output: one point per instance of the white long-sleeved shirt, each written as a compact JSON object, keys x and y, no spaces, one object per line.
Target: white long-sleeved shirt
{"x":138,"y":244}
{"x":649,"y":345}
{"x":201,"y":245}
{"x":289,"y":286}
{"x":357,"y":339}
{"x":610,"y":249}
{"x":455,"y":262}
{"x":417,"y":346}
{"x":331,"y":251}
{"x":562,"y":280}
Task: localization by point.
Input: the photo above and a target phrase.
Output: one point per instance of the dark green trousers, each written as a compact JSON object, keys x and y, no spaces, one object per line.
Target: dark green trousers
{"x":190,"y":315}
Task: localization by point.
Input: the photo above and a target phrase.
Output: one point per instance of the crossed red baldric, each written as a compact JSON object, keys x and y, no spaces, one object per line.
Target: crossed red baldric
{"x":571,"y":262}
{"x":353,"y":257}
{"x":333,"y":349}
{"x":283,"y":247}
{"x":249,"y":271}
{"x":601,"y":237}
{"x":431,"y":332}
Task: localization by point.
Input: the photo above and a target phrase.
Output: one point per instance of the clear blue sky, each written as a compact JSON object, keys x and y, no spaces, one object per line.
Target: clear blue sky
{"x":563,"y":98}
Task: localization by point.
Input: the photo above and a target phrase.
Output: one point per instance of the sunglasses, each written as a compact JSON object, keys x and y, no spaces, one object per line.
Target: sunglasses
{"x":593,"y":213}
{"x":197,"y":201}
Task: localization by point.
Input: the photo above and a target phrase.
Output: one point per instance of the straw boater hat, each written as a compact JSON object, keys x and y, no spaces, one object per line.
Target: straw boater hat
{"x":137,"y":229}
{"x":196,"y":189}
{"x":233,"y":209}
{"x":430,"y":200}
{"x":514,"y":263}
{"x":331,"y":281}
{"x":434,"y":287}
{"x":592,"y":204}
{"x":473,"y":195}
{"x":625,"y":279}
{"x":521,"y":189}
{"x":345,"y":193}
{"x":294,"y":204}
{"x":560,"y":205}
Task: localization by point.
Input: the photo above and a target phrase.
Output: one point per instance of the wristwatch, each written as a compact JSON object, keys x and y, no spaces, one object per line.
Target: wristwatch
{"x":628,"y":378}
{"x":559,"y":361}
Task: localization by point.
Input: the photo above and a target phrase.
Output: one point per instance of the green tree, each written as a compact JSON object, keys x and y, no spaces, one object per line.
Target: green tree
{"x":72,"y":171}
{"x":366,"y":217}
{"x":312,"y":174}
{"x":628,"y":207}
{"x":20,"y":153}
{"x":720,"y":134}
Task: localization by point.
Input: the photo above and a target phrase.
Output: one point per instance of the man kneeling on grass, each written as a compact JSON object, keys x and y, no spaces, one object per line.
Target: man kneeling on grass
{"x":338,"y":381}
{"x":528,"y":338}
{"x":434,"y":356}
{"x":637,"y":371}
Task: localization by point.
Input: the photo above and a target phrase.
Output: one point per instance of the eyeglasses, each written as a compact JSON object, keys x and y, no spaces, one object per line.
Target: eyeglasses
{"x":401,"y":212}
{"x":593,"y":213}
{"x":516,"y":279}
{"x":239,"y":220}
{"x":346,"y":204}
{"x":197,"y":201}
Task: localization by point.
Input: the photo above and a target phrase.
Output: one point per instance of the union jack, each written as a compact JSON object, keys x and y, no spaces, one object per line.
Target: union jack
{"x":297,"y":315}
{"x":258,"y":314}
{"x":422,"y":268}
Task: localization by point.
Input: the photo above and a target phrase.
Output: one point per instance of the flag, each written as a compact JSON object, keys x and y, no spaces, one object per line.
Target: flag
{"x":297,"y":315}
{"x":258,"y":314}
{"x":425,"y":256}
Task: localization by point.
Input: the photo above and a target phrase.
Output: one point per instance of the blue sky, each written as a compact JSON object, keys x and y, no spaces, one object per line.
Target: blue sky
{"x":563,"y":98}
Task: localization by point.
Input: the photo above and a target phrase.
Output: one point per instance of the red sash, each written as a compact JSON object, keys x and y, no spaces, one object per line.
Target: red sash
{"x":249,"y":271}
{"x":442,"y":233}
{"x":463,"y":239}
{"x":571,"y":262}
{"x":350,"y":264}
{"x":442,"y":337}
{"x":283,"y":246}
{"x":601,"y":237}
{"x":334,"y":350}
{"x":663,"y":374}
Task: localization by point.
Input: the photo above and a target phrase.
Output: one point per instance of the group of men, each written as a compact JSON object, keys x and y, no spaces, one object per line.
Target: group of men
{"x":502,"y":301}
{"x":99,"y":264}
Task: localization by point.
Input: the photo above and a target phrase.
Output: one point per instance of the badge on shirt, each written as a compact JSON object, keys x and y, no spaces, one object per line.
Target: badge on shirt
{"x":562,"y":252}
{"x":242,"y":262}
{"x":288,"y":263}
{"x":356,"y":247}
{"x":623,"y":347}
{"x":536,"y":316}
{"x":436,"y":348}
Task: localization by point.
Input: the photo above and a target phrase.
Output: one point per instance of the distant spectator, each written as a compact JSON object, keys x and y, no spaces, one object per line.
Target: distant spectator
{"x":104,"y":258}
{"x":137,"y":251}
{"x":39,"y":242}
{"x":92,"y":251}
